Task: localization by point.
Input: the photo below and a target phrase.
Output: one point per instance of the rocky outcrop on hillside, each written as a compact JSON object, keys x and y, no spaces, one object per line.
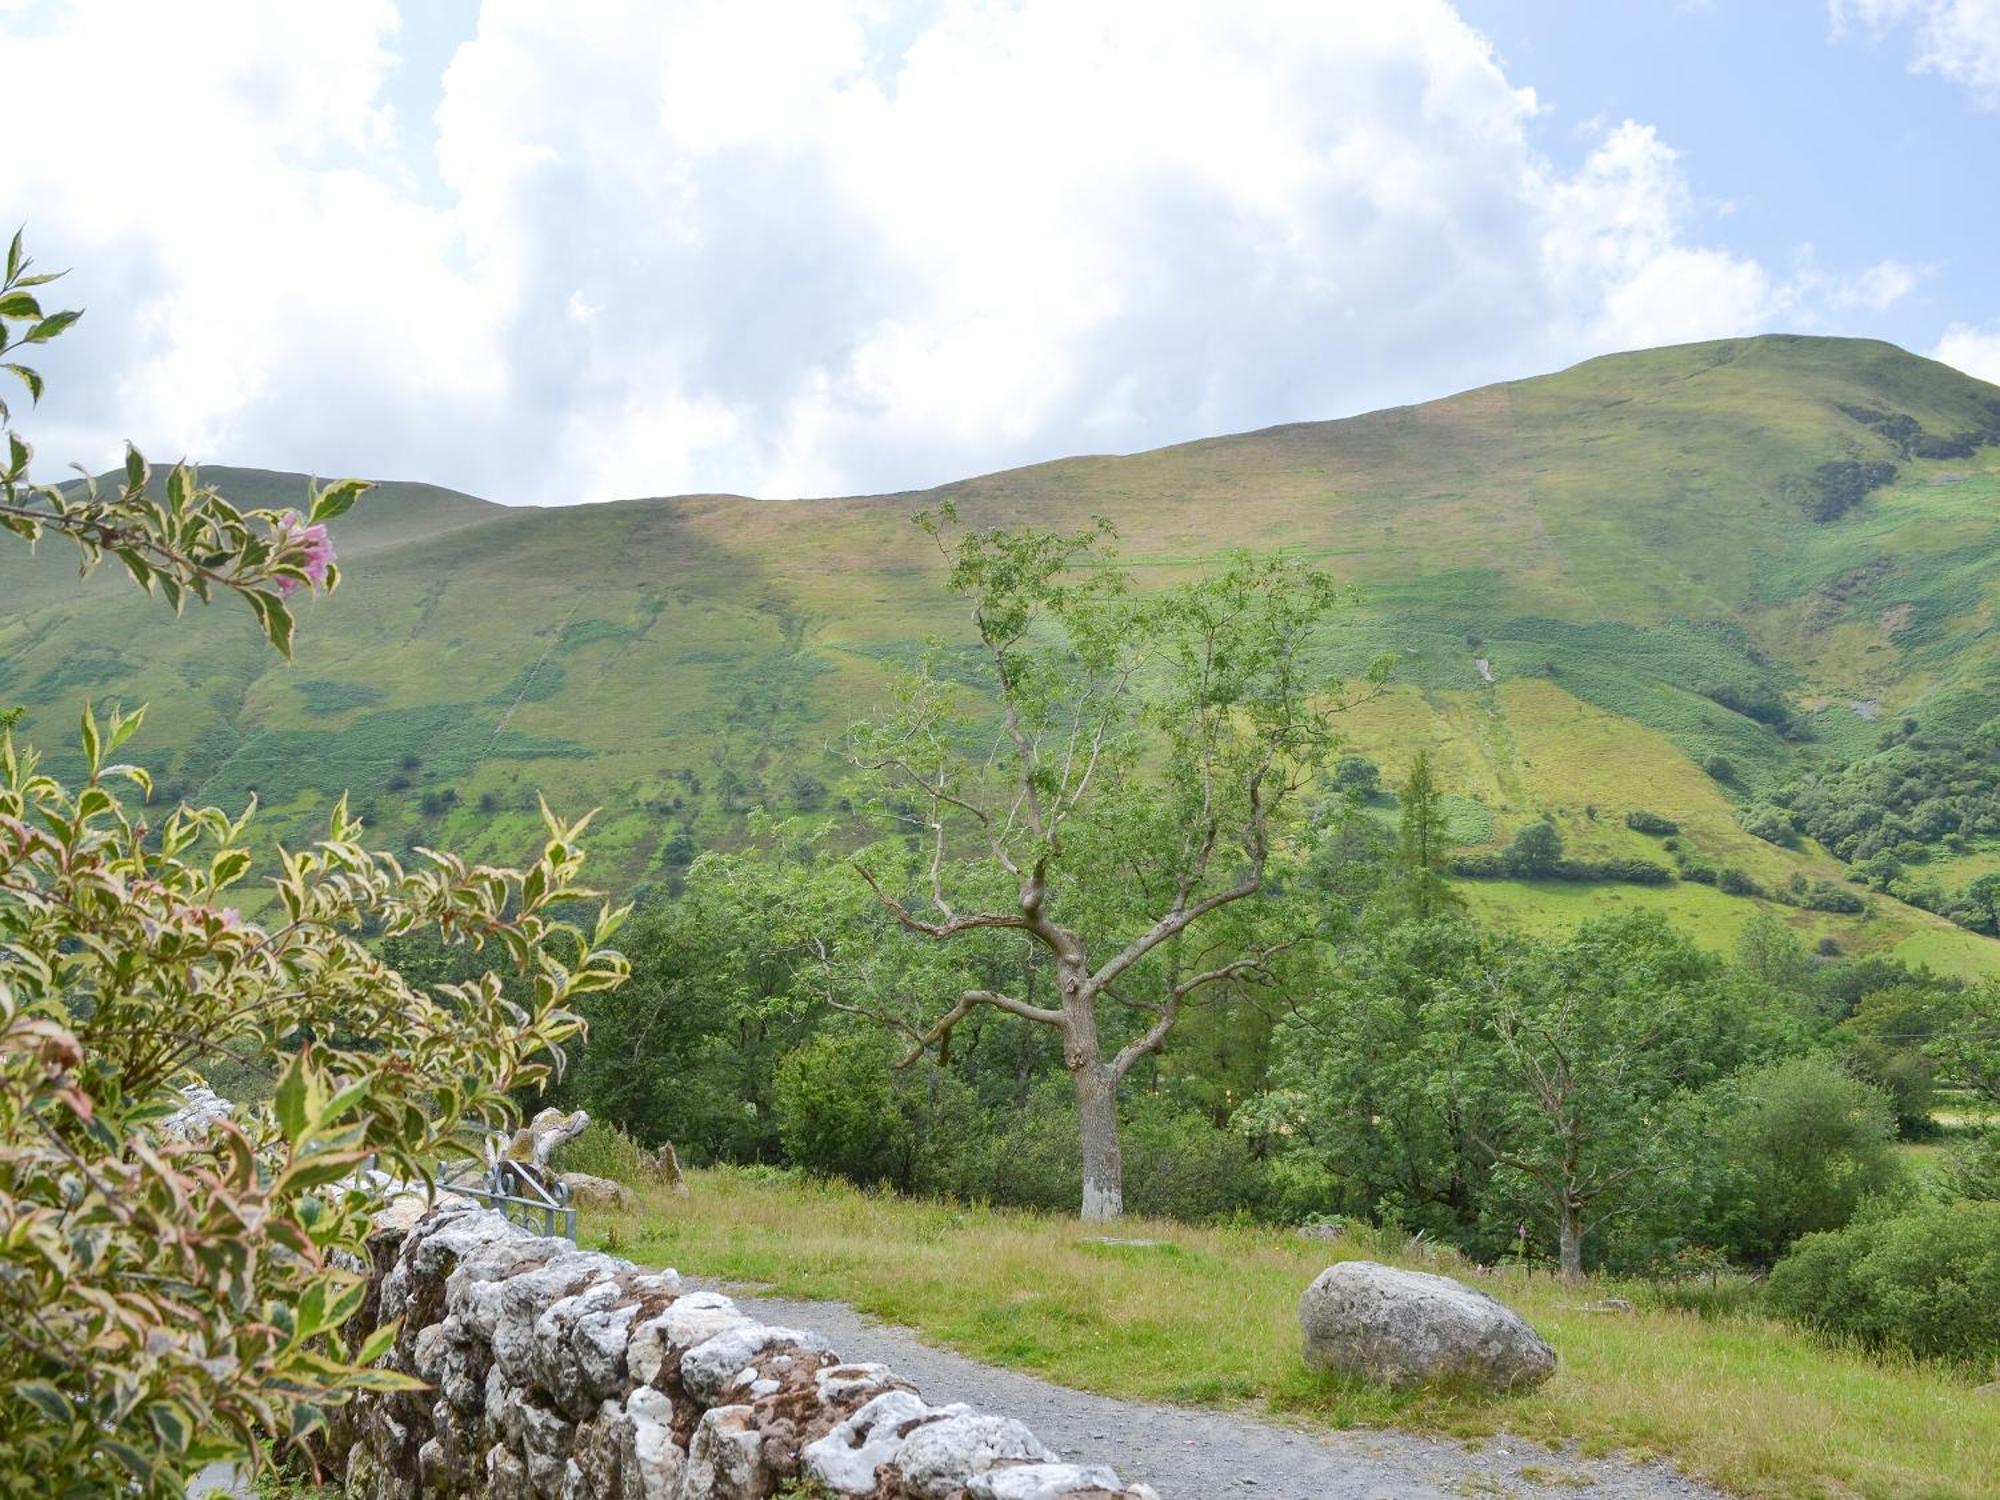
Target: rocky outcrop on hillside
{"x":554,"y":1373}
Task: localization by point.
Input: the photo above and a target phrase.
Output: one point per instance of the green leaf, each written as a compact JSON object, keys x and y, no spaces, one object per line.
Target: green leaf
{"x":31,"y":379}
{"x":52,"y":325}
{"x":135,"y":468}
{"x":46,"y":1399}
{"x":14,"y":254}
{"x":228,"y":866}
{"x":275,"y":618}
{"x":19,"y":305}
{"x":288,"y":1104}
{"x":317,"y":1171}
{"x":93,"y":746}
{"x":337,"y":499}
{"x":378,"y":1343}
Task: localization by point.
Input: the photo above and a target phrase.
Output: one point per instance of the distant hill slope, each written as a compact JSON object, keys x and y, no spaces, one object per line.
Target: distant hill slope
{"x":1659,"y":555}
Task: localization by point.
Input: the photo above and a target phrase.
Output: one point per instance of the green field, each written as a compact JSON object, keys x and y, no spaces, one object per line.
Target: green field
{"x":1627,"y":544}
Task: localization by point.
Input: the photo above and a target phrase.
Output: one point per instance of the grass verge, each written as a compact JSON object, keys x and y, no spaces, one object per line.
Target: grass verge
{"x":1207,"y":1316}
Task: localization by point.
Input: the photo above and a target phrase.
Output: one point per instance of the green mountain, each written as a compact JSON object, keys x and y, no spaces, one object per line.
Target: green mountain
{"x":1767,"y":550}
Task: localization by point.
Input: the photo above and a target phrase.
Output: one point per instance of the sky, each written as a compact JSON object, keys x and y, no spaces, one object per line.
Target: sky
{"x":789,"y":248}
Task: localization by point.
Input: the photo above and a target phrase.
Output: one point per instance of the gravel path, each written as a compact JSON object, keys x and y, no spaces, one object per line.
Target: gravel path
{"x":1187,"y":1454}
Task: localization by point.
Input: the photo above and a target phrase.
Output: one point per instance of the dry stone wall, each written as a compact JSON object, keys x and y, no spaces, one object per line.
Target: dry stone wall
{"x":554,"y":1373}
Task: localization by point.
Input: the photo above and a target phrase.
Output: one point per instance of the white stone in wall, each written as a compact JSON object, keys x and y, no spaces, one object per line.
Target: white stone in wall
{"x":709,"y":1370}
{"x":1042,"y":1481}
{"x":651,"y":1465}
{"x":694,"y":1318}
{"x":724,"y":1459}
{"x":942,"y":1458}
{"x":847,"y":1458}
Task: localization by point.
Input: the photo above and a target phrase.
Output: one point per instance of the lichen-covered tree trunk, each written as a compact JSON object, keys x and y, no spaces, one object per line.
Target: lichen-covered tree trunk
{"x":1097,"y":1117}
{"x":1569,"y":1240}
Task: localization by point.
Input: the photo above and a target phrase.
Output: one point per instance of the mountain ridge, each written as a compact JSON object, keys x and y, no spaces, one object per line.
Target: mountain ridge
{"x":1630,"y":543}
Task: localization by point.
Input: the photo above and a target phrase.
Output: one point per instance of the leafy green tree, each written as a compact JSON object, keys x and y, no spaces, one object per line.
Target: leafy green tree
{"x":1382,"y":1077}
{"x":843,"y":1107}
{"x":1357,"y":774}
{"x":1813,"y":1142}
{"x":1121,"y":816}
{"x":1594,"y":1039}
{"x":1456,"y":1080}
{"x":1889,"y":1038}
{"x":687,"y":1051}
{"x":1422,"y":843}
{"x":1534,"y":852}
{"x":1772,"y":952}
{"x":173,"y":1288}
{"x":1966,"y":1043}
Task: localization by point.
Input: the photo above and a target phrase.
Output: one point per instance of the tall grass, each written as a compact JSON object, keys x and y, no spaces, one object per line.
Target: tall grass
{"x":1207,"y":1316}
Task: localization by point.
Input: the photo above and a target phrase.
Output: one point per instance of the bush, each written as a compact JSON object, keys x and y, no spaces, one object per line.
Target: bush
{"x":841,"y":1112}
{"x":1633,"y":871}
{"x":1734,"y":882}
{"x":1771,"y":824}
{"x":174,"y":1290}
{"x":1720,"y":767}
{"x":1535,"y":851}
{"x":603,"y":1150}
{"x":1826,"y":896}
{"x":1813,"y":1143}
{"x":1925,"y":1283}
{"x":1358,"y":774}
{"x":1641,"y":821}
{"x":1972,"y":1166}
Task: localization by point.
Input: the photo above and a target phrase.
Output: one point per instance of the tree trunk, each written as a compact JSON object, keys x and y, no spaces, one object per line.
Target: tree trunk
{"x":1103,"y":1166}
{"x":1570,"y":1242}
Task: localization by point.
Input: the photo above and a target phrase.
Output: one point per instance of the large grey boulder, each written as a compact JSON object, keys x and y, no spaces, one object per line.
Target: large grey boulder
{"x":1403,"y":1328}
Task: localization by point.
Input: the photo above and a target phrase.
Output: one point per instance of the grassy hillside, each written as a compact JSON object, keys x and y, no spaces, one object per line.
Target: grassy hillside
{"x":1650,"y":551}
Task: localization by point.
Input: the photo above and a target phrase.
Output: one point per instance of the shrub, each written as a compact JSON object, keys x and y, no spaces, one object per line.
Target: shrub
{"x":1734,"y":882}
{"x":1720,"y":767}
{"x":604,"y":1150}
{"x":1358,"y":774}
{"x":1926,"y":1282}
{"x":172,"y":1290}
{"x":1813,"y":1142}
{"x":1972,"y":1165}
{"x":1771,"y":824}
{"x":1823,"y":895}
{"x":1633,"y":871}
{"x":844,"y":1109}
{"x":1641,"y":821}
{"x":1534,"y":852}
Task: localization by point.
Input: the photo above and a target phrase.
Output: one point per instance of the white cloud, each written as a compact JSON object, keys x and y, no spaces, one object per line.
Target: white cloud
{"x":1973,"y":350}
{"x":813,"y":246}
{"x":1958,"y":40}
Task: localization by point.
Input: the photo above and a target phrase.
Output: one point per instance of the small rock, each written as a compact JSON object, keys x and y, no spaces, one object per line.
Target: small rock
{"x":599,"y":1194}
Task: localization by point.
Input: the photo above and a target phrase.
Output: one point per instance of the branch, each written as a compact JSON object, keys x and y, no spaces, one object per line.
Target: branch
{"x":968,"y":1002}
{"x":952,"y":926}
{"x":1155,"y":1035}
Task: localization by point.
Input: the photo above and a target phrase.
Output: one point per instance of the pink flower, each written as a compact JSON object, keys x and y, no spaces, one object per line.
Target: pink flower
{"x":315,"y":545}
